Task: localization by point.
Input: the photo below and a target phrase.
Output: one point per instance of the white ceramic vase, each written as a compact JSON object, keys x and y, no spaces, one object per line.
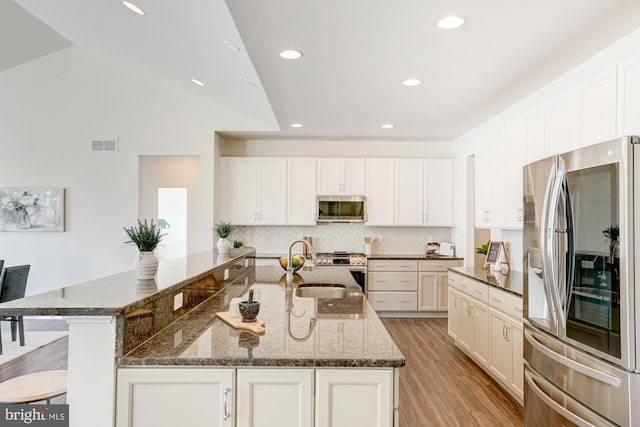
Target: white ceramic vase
{"x":223,"y":245}
{"x":146,"y":265}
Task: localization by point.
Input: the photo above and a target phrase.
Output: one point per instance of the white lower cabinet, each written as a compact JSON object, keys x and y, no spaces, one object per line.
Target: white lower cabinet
{"x":158,"y":397}
{"x":256,"y":397}
{"x":274,"y":397}
{"x":486,"y":323}
{"x":359,"y":398}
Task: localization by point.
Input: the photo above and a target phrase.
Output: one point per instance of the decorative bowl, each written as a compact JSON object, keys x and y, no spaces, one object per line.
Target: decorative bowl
{"x":298,"y":262}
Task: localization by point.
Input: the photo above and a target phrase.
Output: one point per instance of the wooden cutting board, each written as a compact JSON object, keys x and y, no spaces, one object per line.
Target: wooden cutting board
{"x":256,"y":327}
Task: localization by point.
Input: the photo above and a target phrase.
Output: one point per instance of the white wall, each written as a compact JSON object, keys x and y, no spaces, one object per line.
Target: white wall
{"x":50,"y":109}
{"x":624,"y":49}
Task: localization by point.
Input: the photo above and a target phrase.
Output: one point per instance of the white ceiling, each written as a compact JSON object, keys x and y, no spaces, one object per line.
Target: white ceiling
{"x":356,"y":55}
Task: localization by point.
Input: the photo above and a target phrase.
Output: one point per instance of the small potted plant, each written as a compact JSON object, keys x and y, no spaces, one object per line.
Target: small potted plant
{"x":612,"y":233}
{"x":223,"y":230}
{"x":146,"y":237}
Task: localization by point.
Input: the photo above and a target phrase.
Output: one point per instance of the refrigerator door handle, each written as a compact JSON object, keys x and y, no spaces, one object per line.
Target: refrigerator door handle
{"x":547,"y":232}
{"x":572,"y":364}
{"x":544,"y":397}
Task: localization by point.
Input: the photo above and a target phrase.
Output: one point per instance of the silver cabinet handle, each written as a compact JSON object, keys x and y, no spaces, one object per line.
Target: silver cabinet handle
{"x":477,"y":291}
{"x":405,"y":300}
{"x":227,"y":415}
{"x":405,"y":281}
{"x":381,"y":281}
{"x":496,"y":299}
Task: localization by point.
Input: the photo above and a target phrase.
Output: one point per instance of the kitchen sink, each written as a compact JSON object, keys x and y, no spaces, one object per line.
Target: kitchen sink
{"x":322,"y":290}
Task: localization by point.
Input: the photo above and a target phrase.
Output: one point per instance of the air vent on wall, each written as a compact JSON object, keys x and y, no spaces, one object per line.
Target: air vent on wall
{"x":107,"y":145}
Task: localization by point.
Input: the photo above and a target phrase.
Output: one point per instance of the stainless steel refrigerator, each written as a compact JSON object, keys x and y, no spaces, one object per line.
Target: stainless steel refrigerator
{"x":581,"y":343}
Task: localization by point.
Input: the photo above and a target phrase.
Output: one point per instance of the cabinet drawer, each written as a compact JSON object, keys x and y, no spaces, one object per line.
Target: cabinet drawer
{"x":392,"y":265}
{"x":477,"y":290}
{"x":508,"y":303}
{"x":392,"y":281}
{"x":437,"y":265}
{"x":393,"y":301}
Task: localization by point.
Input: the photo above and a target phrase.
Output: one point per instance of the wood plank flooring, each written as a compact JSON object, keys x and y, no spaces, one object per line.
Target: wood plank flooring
{"x":440,"y":385}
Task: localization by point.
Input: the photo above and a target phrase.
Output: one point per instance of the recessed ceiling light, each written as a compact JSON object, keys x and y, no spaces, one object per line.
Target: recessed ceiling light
{"x":412,"y":82}
{"x":133,"y":7}
{"x":451,"y":22}
{"x":231,"y":46}
{"x":291,"y":54}
{"x":198,"y":82}
{"x":296,"y":125}
{"x":387,"y":126}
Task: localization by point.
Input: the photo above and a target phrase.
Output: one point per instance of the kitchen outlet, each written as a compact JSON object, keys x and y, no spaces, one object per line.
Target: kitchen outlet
{"x":177,"y":301}
{"x":429,"y":238}
{"x":226,"y":274}
{"x":380,"y":239}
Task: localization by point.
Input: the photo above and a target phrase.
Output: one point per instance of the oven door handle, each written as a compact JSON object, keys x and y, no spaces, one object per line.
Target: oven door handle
{"x":572,"y":364}
{"x":547,"y":400}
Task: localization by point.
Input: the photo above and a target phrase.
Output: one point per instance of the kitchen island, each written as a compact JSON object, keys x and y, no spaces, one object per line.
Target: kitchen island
{"x":165,"y":368}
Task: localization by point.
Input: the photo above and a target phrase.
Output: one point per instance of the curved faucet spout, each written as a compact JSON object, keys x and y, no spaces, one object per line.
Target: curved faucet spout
{"x":290,"y":268}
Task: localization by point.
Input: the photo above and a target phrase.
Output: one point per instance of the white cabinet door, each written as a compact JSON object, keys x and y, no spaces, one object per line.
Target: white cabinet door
{"x":353,"y":177}
{"x":341,"y":177}
{"x":562,"y":124}
{"x":409,"y":205}
{"x":428,"y":291}
{"x":514,"y":139}
{"x":301,"y":191}
{"x":242,"y":190}
{"x":438,"y":193}
{"x":453,"y":326}
{"x":465,"y":338}
{"x":517,"y":372}
{"x":629,"y":97}
{"x":380,"y":192}
{"x":443,"y":291}
{"x":329,"y":177}
{"x":482,"y":167}
{"x":270,"y":397}
{"x":354,"y":397}
{"x":500,"y":363}
{"x":498,"y":176}
{"x":480,"y":314}
{"x":534,"y":124}
{"x":597,"y":108}
{"x":272,"y":184}
{"x":148,"y":397}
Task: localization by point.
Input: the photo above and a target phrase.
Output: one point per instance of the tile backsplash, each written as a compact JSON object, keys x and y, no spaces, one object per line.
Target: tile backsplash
{"x":342,"y":237}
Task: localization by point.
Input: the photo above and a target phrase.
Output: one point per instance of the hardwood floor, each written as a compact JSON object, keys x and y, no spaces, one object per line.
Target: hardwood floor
{"x":440,"y":385}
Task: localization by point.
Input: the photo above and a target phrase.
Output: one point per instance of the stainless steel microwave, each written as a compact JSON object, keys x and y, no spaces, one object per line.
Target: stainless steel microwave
{"x":340,"y":209}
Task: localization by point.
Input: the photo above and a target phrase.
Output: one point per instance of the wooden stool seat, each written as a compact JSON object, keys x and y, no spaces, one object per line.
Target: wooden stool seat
{"x":34,"y":387}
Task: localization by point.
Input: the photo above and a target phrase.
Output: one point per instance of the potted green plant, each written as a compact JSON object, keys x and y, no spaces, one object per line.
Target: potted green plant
{"x":612,"y":233}
{"x":223,"y":230}
{"x":482,"y":249}
{"x":146,"y":238}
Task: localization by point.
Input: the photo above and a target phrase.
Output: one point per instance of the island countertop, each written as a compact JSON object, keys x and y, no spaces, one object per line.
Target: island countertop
{"x":348,"y":333}
{"x":512,"y":282}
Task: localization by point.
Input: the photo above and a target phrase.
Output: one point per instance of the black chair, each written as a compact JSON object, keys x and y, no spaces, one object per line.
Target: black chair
{"x":14,"y":284}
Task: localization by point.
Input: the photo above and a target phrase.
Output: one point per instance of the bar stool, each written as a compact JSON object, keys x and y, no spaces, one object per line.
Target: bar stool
{"x":44,"y":385}
{"x":14,"y":284}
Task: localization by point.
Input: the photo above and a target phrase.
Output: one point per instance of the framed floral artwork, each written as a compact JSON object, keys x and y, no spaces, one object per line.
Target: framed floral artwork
{"x":31,"y":209}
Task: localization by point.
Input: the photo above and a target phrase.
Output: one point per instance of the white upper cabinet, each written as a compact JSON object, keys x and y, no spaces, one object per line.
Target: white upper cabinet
{"x":301,"y":191}
{"x":341,"y":177}
{"x":597,"y":108}
{"x":562,"y":124}
{"x":256,"y":190}
{"x":482,"y":168}
{"x":490,"y":170}
{"x":409,"y":186}
{"x":629,"y":97}
{"x":424,"y":192}
{"x":515,"y":147}
{"x":380,"y":192}
{"x":534,"y":125}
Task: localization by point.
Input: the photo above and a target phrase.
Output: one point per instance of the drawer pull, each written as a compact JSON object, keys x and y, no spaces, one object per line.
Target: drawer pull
{"x":497,"y":299}
{"x":405,"y":300}
{"x":382,"y":265}
{"x":463,"y":285}
{"x":405,"y":266}
{"x":381,"y":300}
{"x":405,"y":281}
{"x":380,"y":281}
{"x":518,"y":309}
{"x":477,"y":291}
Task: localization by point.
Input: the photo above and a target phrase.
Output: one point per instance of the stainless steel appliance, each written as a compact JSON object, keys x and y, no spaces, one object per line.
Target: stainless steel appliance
{"x":357,"y":263}
{"x":340,"y":209}
{"x":581,"y":343}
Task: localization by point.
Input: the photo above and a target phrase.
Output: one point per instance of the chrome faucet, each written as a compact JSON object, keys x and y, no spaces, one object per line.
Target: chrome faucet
{"x":289,"y":293}
{"x":290,"y":268}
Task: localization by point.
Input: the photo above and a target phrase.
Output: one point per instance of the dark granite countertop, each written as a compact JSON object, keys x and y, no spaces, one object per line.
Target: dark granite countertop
{"x":115,"y":294}
{"x":348,"y":333}
{"x":511,"y":282}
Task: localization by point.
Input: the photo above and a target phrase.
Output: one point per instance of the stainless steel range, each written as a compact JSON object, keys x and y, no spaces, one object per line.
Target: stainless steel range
{"x":356,"y":262}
